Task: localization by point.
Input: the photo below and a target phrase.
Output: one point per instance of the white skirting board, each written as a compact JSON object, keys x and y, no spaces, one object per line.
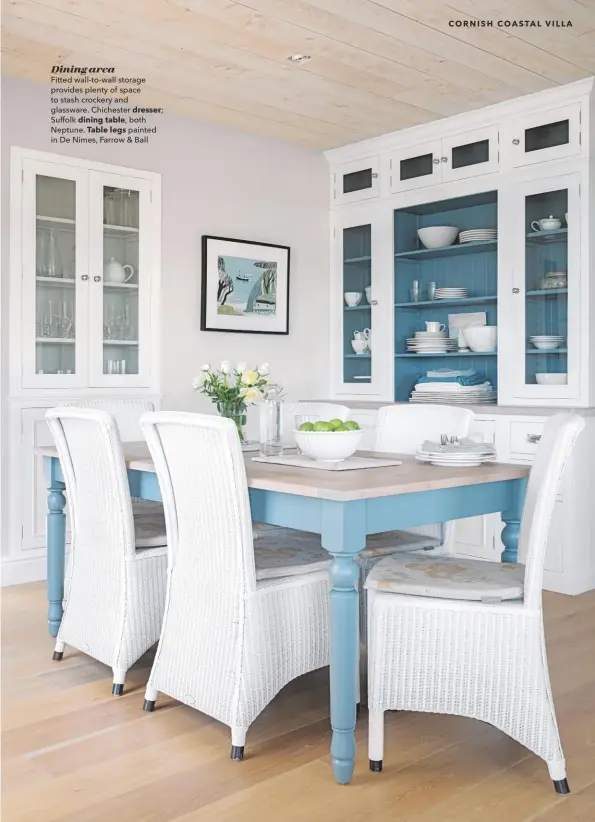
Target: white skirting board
{"x":19,"y":571}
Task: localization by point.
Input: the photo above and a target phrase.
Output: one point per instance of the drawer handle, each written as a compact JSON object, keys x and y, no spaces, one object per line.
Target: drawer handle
{"x":533,"y":438}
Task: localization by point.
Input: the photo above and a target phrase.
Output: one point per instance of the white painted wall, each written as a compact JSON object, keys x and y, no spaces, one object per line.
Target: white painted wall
{"x":215,"y":181}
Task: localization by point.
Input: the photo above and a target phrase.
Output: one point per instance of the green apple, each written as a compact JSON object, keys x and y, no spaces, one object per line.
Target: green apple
{"x":322,"y":426}
{"x":341,"y":427}
{"x":351,"y":425}
{"x":306,"y":426}
{"x":335,"y":424}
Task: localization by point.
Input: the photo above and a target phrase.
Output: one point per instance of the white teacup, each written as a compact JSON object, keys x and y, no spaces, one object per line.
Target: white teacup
{"x":359,"y":346}
{"x":368,"y":290}
{"x":352,"y":298}
{"x":435,"y":327}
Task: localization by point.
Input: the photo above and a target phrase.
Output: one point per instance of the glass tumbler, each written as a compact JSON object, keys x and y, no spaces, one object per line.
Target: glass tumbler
{"x":414,"y":292}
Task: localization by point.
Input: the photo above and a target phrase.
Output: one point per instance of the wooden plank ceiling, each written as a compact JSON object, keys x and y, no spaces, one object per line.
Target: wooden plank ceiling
{"x":377,"y":65}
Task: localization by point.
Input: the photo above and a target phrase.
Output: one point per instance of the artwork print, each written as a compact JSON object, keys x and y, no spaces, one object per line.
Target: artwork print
{"x":245,"y":286}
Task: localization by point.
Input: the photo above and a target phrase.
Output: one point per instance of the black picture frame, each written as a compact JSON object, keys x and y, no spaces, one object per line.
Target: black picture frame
{"x":213,"y":286}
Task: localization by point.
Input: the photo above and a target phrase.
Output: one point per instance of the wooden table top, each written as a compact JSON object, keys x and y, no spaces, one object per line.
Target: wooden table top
{"x":365,"y":483}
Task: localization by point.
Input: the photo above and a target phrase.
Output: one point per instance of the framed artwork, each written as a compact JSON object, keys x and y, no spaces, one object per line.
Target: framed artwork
{"x":245,"y":286}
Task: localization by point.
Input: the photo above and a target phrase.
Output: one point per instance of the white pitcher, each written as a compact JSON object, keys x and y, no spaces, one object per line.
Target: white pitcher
{"x":115,"y":272}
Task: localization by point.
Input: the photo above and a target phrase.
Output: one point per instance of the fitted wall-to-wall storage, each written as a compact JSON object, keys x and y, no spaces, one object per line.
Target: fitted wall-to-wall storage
{"x":523,"y":170}
{"x":84,"y":297}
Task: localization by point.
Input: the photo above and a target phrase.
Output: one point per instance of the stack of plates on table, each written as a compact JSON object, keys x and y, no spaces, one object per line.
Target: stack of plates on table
{"x":547,"y":342}
{"x":431,"y":342}
{"x":477,"y":235}
{"x":453,"y":394}
{"x":464,"y":453}
{"x":451,"y":293}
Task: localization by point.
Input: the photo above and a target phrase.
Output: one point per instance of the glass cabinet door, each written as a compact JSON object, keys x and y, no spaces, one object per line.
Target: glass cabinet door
{"x":359,"y":180}
{"x":551,"y":288}
{"x":357,"y":297}
{"x":547,"y":136}
{"x":470,"y":154}
{"x":416,"y":166}
{"x":120,"y":287}
{"x":55,"y":276}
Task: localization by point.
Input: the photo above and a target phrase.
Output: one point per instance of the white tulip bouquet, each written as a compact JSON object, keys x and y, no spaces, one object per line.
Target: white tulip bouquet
{"x":233,"y":389}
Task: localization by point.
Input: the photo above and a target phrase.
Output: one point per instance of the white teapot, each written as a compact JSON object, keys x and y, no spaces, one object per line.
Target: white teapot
{"x":550,"y":223}
{"x":115,"y":272}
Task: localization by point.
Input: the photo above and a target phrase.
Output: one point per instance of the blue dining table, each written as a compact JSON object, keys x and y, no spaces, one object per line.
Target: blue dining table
{"x":343,"y":507}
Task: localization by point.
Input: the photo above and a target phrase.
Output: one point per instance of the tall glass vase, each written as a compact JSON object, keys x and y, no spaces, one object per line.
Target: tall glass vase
{"x":234,"y":410}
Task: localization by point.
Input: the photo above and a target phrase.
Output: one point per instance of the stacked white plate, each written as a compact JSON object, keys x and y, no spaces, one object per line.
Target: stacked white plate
{"x":478,"y":235}
{"x":451,"y":293}
{"x":431,"y":342}
{"x":547,"y":342}
{"x":464,"y":454}
{"x":447,"y":393}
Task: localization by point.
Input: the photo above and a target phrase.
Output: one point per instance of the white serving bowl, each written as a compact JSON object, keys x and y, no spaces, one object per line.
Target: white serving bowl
{"x":481,"y":338}
{"x":551,"y":379}
{"x":547,"y":345}
{"x":328,"y":446}
{"x":437,"y":236}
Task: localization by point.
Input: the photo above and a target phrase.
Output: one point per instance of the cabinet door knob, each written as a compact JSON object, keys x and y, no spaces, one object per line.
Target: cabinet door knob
{"x":516,"y":141}
{"x":374,"y":175}
{"x":374,"y":302}
{"x":85,"y":277}
{"x":97,"y":278}
{"x":445,"y":159}
{"x":436,"y":161}
{"x":516,"y":290}
{"x":533,"y":438}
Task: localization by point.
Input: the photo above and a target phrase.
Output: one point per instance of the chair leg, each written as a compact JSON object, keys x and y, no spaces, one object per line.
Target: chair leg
{"x":558,"y":776}
{"x":561,"y":786}
{"x":119,"y":679}
{"x":238,"y":741}
{"x":150,"y":699}
{"x":376,"y":740}
{"x":58,"y":651}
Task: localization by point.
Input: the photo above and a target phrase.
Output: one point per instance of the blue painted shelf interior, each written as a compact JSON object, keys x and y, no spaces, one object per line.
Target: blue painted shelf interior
{"x":472,"y":266}
{"x":546,"y":311}
{"x":357,"y":272}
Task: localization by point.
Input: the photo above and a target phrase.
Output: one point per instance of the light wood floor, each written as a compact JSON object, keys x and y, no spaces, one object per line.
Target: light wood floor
{"x":73,"y":753}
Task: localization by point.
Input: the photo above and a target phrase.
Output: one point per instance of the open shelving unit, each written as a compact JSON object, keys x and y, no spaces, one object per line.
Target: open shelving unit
{"x":470,"y":265}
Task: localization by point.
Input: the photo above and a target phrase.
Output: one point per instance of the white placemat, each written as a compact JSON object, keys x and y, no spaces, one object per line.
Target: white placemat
{"x":349,"y":464}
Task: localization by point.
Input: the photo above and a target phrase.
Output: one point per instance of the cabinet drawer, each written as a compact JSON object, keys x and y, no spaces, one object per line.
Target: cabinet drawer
{"x":525,"y":436}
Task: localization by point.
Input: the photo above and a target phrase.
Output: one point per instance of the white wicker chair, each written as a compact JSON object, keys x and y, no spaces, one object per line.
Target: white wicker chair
{"x":466,"y":637}
{"x":116,"y":593}
{"x":401,"y":429}
{"x":232,"y":636}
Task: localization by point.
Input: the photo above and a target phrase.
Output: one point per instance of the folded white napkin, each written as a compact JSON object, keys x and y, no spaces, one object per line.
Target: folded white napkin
{"x":452,"y":387}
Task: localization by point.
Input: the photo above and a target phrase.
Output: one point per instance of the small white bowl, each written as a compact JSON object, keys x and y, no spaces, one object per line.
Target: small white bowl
{"x":359,"y":346}
{"x":547,"y":345}
{"x":328,"y":446}
{"x":551,"y":379}
{"x":437,"y":236}
{"x":481,"y":338}
{"x":353,"y":298}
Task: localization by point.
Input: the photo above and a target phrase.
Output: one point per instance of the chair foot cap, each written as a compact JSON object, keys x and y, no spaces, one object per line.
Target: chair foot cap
{"x":237,"y":752}
{"x":149,"y":705}
{"x":57,"y":657}
{"x":117,"y":690}
{"x":376,"y":765}
{"x":561,"y":786}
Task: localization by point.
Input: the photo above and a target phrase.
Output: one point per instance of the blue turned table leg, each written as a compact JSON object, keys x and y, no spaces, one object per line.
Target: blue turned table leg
{"x":512,"y":521}
{"x":343,"y":536}
{"x":56,"y":537}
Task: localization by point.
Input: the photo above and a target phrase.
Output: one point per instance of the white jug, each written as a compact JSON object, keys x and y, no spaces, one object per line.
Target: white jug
{"x":115,"y":272}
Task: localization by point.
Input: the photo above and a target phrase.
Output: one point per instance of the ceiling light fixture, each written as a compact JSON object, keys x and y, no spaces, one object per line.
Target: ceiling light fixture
{"x":299,"y":58}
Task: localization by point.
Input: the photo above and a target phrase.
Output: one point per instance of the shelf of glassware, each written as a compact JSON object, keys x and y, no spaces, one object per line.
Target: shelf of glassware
{"x":472,"y":266}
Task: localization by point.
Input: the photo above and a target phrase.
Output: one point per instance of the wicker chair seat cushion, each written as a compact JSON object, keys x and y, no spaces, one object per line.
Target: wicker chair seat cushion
{"x":447,"y":578}
{"x":284,"y":552}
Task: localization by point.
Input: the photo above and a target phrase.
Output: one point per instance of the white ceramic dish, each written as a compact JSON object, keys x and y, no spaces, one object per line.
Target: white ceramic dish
{"x":551,"y":379}
{"x":481,"y":338}
{"x":352,"y":298}
{"x":547,"y":345}
{"x":359,"y":346}
{"x":328,"y":446}
{"x":437,"y":236}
